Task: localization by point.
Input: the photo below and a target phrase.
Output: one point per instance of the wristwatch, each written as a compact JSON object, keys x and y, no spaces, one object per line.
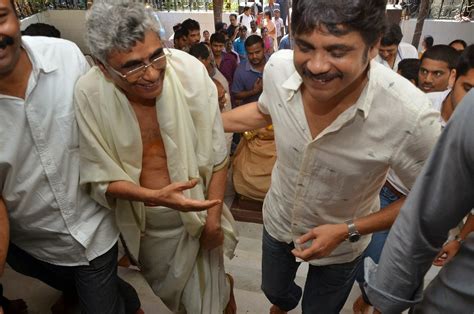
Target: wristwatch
{"x":354,"y":235}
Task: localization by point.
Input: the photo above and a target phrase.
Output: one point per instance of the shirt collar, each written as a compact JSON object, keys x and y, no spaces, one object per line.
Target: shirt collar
{"x":39,"y":62}
{"x":249,"y":67}
{"x":293,"y":84}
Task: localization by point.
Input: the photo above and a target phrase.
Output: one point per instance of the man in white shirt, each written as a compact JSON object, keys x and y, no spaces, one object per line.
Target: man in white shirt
{"x":340,"y":123}
{"x":392,"y":50}
{"x":446,"y":101}
{"x":279,"y":25}
{"x":438,"y":68}
{"x":245,"y":18}
{"x":58,"y":234}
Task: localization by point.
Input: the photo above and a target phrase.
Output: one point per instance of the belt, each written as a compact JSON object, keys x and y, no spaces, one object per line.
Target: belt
{"x":390,"y":187}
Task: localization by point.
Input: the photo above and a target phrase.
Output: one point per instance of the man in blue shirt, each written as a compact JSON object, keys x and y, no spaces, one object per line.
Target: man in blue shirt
{"x":239,"y":43}
{"x":247,"y":84}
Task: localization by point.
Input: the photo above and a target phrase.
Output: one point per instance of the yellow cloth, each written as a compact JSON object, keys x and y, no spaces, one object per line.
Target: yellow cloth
{"x":191,"y":129}
{"x":253,"y":163}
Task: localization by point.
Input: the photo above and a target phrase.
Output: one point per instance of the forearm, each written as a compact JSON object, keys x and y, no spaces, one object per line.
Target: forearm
{"x":129,"y":191}
{"x":381,"y":220}
{"x":216,"y":192}
{"x":4,"y":234}
{"x":245,"y":118}
{"x":245,"y":94}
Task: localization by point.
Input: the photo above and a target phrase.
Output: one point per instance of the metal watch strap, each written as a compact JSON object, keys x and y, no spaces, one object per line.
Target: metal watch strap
{"x":351,"y":226}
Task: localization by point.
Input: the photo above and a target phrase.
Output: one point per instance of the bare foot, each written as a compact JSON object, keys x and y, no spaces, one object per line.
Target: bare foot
{"x":17,"y":306}
{"x":276,"y":310}
{"x":231,"y":307}
{"x":140,"y":311}
{"x":360,"y":307}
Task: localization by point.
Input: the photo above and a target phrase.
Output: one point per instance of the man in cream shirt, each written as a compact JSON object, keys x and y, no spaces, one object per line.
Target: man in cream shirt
{"x":340,"y":123}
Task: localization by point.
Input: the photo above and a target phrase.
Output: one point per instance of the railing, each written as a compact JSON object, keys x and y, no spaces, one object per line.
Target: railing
{"x":442,"y":9}
{"x":29,"y":7}
{"x":452,"y":9}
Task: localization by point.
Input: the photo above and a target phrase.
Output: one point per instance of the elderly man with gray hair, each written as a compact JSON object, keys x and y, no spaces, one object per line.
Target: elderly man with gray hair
{"x":151,"y":137}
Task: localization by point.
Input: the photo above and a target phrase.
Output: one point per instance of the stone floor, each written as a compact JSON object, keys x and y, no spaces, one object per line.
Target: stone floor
{"x":245,"y":267}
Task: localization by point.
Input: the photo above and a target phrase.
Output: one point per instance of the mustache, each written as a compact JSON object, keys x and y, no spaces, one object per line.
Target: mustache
{"x":6,"y":41}
{"x":321,"y":76}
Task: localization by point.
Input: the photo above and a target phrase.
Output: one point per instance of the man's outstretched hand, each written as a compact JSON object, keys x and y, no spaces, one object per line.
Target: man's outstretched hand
{"x":172,"y":196}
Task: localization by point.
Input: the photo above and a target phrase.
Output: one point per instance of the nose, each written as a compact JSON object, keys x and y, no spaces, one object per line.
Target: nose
{"x":151,"y":74}
{"x":429,"y":77}
{"x":318,"y":63}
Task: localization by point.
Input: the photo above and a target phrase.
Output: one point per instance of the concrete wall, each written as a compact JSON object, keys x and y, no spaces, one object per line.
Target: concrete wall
{"x":71,"y":23}
{"x":442,"y":31}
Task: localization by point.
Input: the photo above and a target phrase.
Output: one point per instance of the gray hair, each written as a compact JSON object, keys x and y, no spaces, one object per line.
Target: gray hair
{"x":117,"y":25}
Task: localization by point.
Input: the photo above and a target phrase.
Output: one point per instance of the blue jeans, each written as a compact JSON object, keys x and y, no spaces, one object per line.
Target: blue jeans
{"x":326,"y":288}
{"x":97,"y":285}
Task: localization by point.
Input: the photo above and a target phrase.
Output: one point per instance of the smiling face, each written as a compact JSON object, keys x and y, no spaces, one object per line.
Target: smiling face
{"x":148,"y":86}
{"x":10,"y":38}
{"x":331,"y":66}
{"x":388,"y":53}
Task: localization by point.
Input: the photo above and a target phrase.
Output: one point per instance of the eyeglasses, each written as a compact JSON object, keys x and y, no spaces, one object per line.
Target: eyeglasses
{"x":132,"y":76}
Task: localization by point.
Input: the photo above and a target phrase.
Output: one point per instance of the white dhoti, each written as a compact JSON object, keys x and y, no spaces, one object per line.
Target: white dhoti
{"x":183,"y":276}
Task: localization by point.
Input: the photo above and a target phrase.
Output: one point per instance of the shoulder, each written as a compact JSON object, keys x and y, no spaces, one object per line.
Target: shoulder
{"x":241,"y":68}
{"x":408,"y":50}
{"x":87,"y":86}
{"x":280,"y":64}
{"x":52,"y":46}
{"x":182,"y":62}
{"x":393,"y":90}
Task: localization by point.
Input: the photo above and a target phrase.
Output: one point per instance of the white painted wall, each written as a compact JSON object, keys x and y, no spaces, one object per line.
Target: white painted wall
{"x":442,"y":31}
{"x":71,"y":23}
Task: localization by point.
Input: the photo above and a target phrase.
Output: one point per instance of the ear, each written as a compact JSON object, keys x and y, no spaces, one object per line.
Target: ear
{"x":452,"y":78}
{"x":104,"y":70}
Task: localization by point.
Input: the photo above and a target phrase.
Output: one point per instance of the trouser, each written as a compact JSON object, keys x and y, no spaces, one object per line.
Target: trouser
{"x":97,"y":285}
{"x":326,"y":288}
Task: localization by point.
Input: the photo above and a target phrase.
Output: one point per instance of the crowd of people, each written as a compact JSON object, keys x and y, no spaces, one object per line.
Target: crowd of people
{"x":360,"y":147}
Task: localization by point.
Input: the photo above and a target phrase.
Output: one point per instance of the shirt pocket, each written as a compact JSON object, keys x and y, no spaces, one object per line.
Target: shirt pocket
{"x":69,"y":130}
{"x":330,"y":184}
